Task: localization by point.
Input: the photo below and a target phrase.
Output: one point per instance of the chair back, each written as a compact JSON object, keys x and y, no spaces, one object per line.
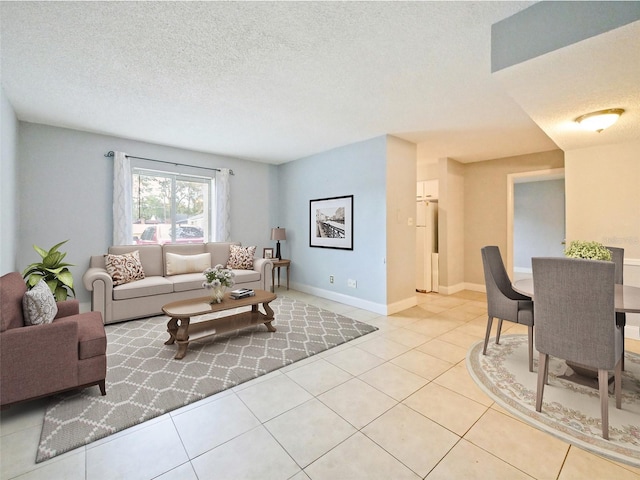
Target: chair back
{"x":617,"y":257}
{"x":12,"y":289}
{"x":500,"y":294}
{"x":574,"y":308}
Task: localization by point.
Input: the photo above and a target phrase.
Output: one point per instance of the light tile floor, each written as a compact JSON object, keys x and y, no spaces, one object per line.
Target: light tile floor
{"x":395,"y":404}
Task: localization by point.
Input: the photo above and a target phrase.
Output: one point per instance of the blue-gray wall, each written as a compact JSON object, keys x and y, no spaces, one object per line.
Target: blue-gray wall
{"x":8,"y":177}
{"x":358,"y":169}
{"x":538,"y":221}
{"x":65,"y":183}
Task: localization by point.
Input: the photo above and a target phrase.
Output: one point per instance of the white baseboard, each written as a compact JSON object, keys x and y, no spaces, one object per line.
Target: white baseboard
{"x":378,"y":308}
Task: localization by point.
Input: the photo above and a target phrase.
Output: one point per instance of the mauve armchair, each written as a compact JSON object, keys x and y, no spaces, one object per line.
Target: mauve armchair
{"x":40,"y":360}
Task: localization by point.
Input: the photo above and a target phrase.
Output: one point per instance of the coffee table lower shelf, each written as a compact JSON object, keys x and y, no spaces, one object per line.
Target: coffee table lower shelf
{"x":182,"y":331}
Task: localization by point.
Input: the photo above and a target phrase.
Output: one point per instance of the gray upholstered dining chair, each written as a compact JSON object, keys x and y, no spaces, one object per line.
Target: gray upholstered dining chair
{"x":617,"y":257}
{"x":503,"y":302}
{"x":575,"y":321}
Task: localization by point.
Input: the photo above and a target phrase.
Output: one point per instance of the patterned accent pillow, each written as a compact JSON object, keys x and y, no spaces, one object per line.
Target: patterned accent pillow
{"x":241,"y":258}
{"x":39,"y":305}
{"x":124,"y":268}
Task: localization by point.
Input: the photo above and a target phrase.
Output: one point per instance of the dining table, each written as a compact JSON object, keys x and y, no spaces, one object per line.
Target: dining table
{"x":627,"y":300}
{"x":627,"y":297}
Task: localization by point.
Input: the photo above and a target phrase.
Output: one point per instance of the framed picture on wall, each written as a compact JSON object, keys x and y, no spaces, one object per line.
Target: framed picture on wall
{"x":267,"y":253}
{"x":331,"y":222}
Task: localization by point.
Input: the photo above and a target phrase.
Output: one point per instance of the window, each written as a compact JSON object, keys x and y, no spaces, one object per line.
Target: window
{"x":170,"y":207}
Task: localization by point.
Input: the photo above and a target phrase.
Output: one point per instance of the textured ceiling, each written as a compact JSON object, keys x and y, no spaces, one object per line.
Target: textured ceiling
{"x":595,"y":74}
{"x":267,"y":81}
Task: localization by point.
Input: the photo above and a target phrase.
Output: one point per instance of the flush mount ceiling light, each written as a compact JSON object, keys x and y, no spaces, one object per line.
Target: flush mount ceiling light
{"x":598,"y":121}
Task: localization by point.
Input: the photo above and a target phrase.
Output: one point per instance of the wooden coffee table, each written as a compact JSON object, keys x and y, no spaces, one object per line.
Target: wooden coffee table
{"x":182,"y":331}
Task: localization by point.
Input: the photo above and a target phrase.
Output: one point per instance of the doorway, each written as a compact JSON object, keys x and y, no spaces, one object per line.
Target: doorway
{"x":535,"y":218}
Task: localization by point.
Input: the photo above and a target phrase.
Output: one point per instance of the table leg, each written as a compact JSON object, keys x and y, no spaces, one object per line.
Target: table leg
{"x":182,"y":338}
{"x":172,"y":328}
{"x":288,"y":277}
{"x":273,"y":280}
{"x":269,"y":316}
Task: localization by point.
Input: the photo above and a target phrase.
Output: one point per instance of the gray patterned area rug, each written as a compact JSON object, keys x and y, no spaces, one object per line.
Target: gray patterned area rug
{"x":144,"y":381}
{"x":570,"y":411}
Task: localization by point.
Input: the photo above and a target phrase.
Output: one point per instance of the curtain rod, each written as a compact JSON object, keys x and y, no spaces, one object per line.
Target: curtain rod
{"x":111,"y":154}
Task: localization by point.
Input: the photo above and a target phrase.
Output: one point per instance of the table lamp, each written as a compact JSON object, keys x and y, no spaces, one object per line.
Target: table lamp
{"x":278,"y":234}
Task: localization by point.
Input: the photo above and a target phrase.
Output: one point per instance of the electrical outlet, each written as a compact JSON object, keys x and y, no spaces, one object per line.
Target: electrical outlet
{"x":352,"y":283}
{"x":330,"y":278}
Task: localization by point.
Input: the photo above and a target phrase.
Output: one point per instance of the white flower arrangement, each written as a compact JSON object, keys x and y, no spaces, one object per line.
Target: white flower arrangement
{"x":588,"y":250}
{"x":218,"y":276}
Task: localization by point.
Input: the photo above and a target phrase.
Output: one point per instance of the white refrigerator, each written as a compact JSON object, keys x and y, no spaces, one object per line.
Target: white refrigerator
{"x":427,"y":246}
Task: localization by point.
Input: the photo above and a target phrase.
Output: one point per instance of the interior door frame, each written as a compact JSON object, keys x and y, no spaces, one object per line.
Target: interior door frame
{"x":523,"y":177}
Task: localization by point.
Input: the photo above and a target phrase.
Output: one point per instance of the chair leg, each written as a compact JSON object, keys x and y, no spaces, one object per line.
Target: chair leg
{"x":103,"y":387}
{"x":603,"y":383}
{"x":486,"y":337}
{"x":617,"y":383}
{"x":542,"y":373}
{"x":499,"y":330}
{"x":621,"y":321}
{"x":530,"y":335}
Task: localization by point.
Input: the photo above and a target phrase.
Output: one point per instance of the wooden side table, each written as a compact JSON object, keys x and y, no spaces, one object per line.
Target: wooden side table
{"x":278,"y":264}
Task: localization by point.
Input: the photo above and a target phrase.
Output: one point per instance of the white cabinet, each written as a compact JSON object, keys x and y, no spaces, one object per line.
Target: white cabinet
{"x":427,"y":190}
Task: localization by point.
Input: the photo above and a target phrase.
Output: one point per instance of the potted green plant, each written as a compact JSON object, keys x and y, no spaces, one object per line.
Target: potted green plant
{"x":54,"y":272}
{"x":588,"y":250}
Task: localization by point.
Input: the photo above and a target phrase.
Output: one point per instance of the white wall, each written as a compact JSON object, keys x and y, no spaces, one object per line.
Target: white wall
{"x":8,"y":176}
{"x":401,"y":225}
{"x":358,"y":169}
{"x":65,"y":192}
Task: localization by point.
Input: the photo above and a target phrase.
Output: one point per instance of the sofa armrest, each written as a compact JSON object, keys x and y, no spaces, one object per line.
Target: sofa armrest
{"x":67,"y":308}
{"x":265,"y":267}
{"x":38,"y":360}
{"x":100,"y":284}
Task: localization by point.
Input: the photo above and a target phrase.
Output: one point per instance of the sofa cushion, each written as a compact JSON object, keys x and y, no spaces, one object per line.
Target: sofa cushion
{"x":241,"y":258}
{"x":188,"y":281}
{"x":39,"y":305}
{"x":143,"y":288}
{"x":179,"y":264}
{"x":244,"y":276}
{"x":124,"y":268}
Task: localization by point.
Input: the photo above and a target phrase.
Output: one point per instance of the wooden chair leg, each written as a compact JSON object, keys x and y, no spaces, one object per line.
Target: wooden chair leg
{"x":530,"y":335}
{"x":542,"y":373}
{"x":103,"y":387}
{"x":499,"y":330}
{"x":486,"y":337}
{"x":603,"y":383}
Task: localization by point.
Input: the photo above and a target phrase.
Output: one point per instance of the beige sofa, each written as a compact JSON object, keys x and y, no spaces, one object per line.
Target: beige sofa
{"x":145,"y":297}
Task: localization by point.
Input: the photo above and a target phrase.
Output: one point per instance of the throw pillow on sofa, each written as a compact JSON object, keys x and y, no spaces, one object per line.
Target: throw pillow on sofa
{"x":179,"y":264}
{"x":39,"y":305}
{"x":124,"y":268}
{"x":241,"y":258}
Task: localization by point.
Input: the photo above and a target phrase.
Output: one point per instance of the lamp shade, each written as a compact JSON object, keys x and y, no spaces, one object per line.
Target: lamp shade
{"x":278,"y":234}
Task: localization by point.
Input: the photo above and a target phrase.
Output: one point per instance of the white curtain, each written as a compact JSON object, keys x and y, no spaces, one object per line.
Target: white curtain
{"x":122,"y":198}
{"x":222,"y":219}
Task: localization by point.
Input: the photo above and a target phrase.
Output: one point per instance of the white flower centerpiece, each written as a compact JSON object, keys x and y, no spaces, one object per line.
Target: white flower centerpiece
{"x":218,"y":279}
{"x":588,"y":250}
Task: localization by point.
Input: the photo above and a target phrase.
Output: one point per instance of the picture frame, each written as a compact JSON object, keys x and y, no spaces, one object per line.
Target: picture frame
{"x":267,"y":253}
{"x":331,"y":222}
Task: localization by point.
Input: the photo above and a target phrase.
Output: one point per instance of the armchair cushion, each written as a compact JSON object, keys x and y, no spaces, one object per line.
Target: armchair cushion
{"x":124,"y":268}
{"x":39,"y":305}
